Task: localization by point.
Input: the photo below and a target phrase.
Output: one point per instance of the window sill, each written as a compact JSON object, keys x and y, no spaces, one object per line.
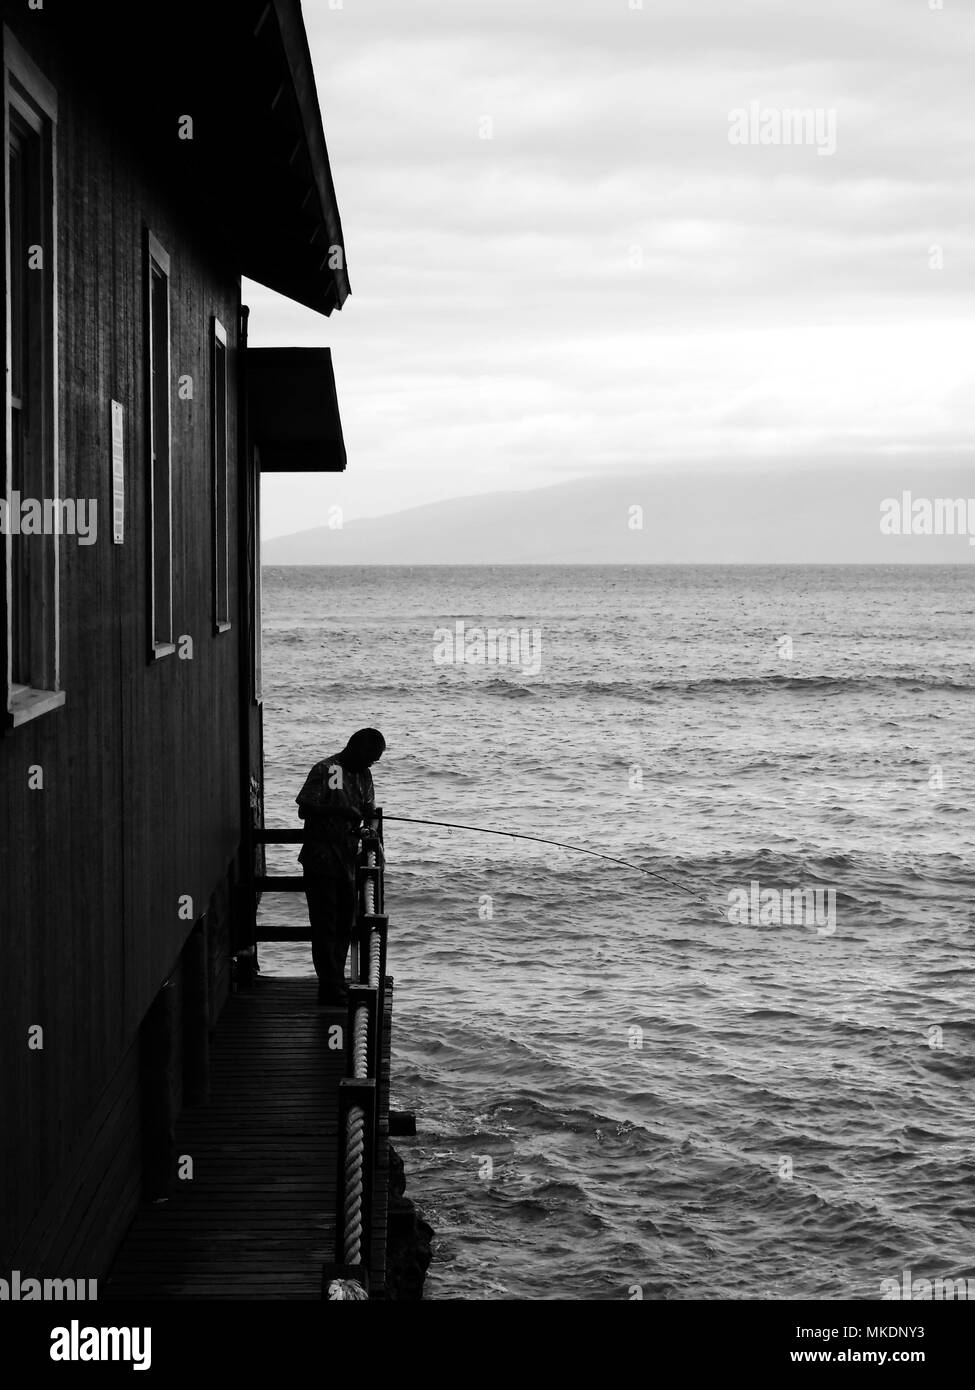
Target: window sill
{"x":161,"y":649}
{"x":221,"y":627}
{"x":26,"y":703}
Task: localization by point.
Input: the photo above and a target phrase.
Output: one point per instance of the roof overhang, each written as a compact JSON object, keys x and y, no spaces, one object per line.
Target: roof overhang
{"x":294,"y":411}
{"x":253,"y":179}
{"x":292,"y":237}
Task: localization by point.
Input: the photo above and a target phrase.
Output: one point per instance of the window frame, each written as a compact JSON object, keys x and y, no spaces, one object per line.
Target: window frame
{"x":257,"y":636}
{"x":220,"y":370}
{"x":157,"y":259}
{"x":30,"y":101}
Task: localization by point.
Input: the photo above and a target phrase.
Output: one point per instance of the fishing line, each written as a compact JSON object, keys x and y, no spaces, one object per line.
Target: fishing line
{"x":577,"y":849}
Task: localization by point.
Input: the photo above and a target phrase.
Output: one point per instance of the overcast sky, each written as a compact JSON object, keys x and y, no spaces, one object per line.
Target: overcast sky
{"x":607,"y":283}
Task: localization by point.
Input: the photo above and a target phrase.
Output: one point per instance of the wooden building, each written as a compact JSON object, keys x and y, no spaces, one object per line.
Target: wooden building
{"x":152,"y":157}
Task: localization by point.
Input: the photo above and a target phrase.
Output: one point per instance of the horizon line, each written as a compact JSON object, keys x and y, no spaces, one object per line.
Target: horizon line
{"x":629,"y":564}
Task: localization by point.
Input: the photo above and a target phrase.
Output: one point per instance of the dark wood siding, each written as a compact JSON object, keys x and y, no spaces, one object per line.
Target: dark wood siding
{"x":142,"y":782}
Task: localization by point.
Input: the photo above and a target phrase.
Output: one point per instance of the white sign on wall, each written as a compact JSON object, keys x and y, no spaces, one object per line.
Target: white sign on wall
{"x":118,"y":475}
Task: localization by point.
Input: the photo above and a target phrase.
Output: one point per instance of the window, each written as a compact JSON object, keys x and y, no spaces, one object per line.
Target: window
{"x":257,"y":673}
{"x":221,"y":518}
{"x":32,"y":511}
{"x":160,"y":489}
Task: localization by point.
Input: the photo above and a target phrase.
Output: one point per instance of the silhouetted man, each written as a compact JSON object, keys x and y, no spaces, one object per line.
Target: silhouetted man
{"x":337,"y":796}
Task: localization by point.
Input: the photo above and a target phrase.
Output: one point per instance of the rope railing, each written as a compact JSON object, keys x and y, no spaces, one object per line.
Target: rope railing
{"x":369,"y":886}
{"x":349,"y":1277}
{"x":375,"y":953}
{"x":355,"y":1147}
{"x":360,"y":1044}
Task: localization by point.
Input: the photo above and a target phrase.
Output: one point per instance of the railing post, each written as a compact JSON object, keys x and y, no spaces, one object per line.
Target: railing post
{"x":381,"y":898}
{"x":353,"y":1205}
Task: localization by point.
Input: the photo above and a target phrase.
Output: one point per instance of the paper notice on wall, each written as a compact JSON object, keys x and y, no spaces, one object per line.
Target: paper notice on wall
{"x":118,"y":475}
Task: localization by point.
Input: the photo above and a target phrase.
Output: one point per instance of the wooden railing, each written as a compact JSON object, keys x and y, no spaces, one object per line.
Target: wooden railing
{"x":372,"y":837}
{"x":363,"y":1128}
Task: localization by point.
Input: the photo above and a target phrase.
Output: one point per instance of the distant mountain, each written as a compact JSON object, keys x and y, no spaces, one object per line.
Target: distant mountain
{"x":798,"y":515}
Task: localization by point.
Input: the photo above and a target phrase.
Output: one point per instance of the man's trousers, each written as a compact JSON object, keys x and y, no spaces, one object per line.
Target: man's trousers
{"x":331,"y":912}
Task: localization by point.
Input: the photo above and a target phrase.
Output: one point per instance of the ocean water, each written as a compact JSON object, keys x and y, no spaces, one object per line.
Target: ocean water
{"x":616,"y":1085}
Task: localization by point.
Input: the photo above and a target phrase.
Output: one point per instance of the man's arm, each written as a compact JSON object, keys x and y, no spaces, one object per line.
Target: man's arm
{"x":369,"y":798}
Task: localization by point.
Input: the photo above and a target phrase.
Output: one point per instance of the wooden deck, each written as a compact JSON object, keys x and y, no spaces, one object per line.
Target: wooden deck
{"x":257,"y":1220}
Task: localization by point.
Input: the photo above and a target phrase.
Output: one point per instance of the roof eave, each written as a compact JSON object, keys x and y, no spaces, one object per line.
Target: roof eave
{"x":294,"y":42}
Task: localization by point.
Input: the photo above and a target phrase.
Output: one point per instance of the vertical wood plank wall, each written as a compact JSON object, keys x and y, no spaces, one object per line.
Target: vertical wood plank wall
{"x":141,"y":800}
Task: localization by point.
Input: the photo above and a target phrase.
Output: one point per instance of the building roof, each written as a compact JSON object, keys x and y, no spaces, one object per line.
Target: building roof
{"x":291,"y":137}
{"x":255,"y":170}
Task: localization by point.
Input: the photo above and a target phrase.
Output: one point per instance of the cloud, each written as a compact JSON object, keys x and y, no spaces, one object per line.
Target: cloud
{"x":607,"y":280}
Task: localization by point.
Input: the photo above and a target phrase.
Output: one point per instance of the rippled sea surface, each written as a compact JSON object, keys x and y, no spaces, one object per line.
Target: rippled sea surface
{"x":614,"y":1084}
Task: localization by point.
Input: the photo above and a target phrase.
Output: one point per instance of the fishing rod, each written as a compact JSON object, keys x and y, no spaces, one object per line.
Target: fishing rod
{"x":577,"y":849}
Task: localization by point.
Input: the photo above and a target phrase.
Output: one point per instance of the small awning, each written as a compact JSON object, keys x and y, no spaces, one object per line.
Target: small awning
{"x":294,"y":411}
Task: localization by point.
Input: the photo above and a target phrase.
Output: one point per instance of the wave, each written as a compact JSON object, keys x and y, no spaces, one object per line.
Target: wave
{"x":506,"y":689}
{"x":644,"y":691}
{"x":759,"y":685}
{"x":868,"y":866}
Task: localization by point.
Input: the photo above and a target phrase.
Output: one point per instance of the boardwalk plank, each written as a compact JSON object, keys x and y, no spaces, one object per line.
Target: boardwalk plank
{"x":257,"y":1219}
